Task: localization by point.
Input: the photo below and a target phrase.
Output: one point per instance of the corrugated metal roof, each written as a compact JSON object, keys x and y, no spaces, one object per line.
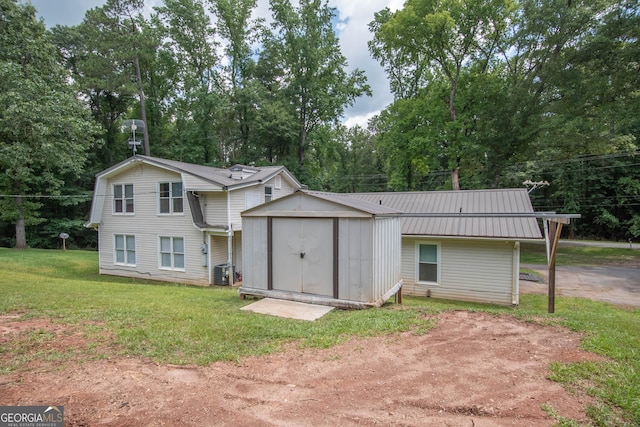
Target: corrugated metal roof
{"x":450,"y":203}
{"x":352,"y":202}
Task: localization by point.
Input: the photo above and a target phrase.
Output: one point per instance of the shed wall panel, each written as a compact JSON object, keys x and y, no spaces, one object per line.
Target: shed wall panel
{"x":387,"y":255}
{"x":355,"y":259}
{"x":254,"y":253}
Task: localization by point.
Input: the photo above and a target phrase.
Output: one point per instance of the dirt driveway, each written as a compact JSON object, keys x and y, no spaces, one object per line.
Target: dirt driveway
{"x":472,"y":369}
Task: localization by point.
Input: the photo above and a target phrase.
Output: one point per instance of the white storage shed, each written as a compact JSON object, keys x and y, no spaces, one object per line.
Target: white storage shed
{"x":324,"y":248}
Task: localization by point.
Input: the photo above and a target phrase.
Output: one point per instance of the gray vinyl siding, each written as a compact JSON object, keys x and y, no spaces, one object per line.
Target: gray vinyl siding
{"x":215,"y":209}
{"x":470,"y":270}
{"x":218,"y":252}
{"x":147,"y":226}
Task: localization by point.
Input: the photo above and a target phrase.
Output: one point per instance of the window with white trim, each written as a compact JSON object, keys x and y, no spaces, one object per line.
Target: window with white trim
{"x":172,"y":253}
{"x":268,"y":194}
{"x":125,"y":249}
{"x":170,"y":197}
{"x":123,"y":198}
{"x":428,"y":264}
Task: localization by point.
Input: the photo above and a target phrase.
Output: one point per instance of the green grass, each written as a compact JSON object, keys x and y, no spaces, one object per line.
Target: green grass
{"x":178,"y":324}
{"x":535,"y":253}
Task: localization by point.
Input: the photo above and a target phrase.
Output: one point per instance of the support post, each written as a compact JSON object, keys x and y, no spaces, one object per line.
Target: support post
{"x":554,"y":237}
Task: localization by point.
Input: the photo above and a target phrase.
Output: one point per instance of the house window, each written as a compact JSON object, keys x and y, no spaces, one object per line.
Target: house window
{"x":123,"y":198}
{"x":125,"y":249}
{"x":172,"y":253}
{"x":171,"y":200}
{"x":428,"y":263}
{"x":268,"y":194}
{"x":278,"y":182}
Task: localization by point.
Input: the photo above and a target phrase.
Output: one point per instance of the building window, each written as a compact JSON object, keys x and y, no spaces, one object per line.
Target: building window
{"x":428,"y":263}
{"x":268,"y":194}
{"x":125,"y":249}
{"x":123,"y":198}
{"x":278,"y":182}
{"x":171,"y":200}
{"x":172,"y":253}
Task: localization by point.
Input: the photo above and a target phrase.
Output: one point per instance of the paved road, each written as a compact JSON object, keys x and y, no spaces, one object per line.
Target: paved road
{"x":600,"y":244}
{"x":618,"y":285}
{"x":622,"y":245}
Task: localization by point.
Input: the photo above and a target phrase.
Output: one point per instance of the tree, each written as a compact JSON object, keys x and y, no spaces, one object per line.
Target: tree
{"x":191,"y":49}
{"x":238,"y":32}
{"x":438,"y":39}
{"x":45,"y":131}
{"x":308,"y":67}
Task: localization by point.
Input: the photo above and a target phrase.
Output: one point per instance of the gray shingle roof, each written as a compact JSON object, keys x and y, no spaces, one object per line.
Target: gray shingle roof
{"x":450,"y":203}
{"x":219,"y":176}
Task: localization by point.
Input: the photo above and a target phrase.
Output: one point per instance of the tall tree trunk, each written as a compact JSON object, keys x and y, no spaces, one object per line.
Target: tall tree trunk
{"x":143,"y":110}
{"x":21,"y":235}
{"x":455,"y":178}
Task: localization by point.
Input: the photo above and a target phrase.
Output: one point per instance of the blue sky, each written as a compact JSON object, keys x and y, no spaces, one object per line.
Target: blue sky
{"x":354,"y":16}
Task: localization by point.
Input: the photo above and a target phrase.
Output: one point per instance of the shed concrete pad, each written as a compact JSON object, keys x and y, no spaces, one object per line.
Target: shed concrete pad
{"x":288,"y":309}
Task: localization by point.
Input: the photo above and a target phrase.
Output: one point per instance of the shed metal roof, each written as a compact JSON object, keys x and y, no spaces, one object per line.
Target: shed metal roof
{"x":452,"y":203}
{"x":346,"y":199}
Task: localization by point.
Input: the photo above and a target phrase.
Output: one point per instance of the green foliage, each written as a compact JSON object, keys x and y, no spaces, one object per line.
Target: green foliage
{"x":45,"y":131}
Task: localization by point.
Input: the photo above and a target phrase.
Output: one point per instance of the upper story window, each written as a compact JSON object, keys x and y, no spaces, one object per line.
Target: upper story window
{"x":123,"y":198}
{"x":171,"y":199}
{"x":268,"y":194}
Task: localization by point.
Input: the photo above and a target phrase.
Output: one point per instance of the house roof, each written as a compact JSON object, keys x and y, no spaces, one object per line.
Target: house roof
{"x":207,"y":179}
{"x":227,"y":178}
{"x":465,"y":213}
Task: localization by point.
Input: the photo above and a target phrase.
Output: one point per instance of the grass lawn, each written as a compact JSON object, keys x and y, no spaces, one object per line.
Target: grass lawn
{"x":535,"y":253}
{"x":180,"y":324}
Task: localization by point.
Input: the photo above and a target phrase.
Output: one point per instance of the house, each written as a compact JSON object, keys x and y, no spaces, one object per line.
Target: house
{"x":323,"y":248}
{"x":462,"y":245}
{"x":173,"y":221}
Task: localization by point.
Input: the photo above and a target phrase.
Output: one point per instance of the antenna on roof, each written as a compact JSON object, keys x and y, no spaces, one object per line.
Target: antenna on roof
{"x":133,"y":125}
{"x":534,"y":185}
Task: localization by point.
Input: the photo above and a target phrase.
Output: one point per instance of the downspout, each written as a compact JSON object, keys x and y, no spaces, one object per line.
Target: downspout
{"x":515,"y":280}
{"x":229,"y":241}
{"x":209,"y":270}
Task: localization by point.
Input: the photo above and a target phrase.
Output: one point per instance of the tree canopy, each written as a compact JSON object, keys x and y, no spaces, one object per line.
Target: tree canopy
{"x":486,"y":94}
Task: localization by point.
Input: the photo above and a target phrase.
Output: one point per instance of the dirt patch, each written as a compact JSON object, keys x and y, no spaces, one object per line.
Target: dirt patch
{"x":472,"y":369}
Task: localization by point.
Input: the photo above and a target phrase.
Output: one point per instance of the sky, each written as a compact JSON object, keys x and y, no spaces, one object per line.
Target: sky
{"x":353,"y":17}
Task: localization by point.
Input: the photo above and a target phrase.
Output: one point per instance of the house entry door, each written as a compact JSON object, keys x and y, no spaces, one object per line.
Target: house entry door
{"x":302,"y":255}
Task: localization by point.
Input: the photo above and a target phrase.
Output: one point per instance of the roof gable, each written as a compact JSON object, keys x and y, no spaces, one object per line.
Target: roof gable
{"x":314,"y":203}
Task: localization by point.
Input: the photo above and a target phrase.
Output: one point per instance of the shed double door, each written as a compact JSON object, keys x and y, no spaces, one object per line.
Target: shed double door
{"x":303,"y":255}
